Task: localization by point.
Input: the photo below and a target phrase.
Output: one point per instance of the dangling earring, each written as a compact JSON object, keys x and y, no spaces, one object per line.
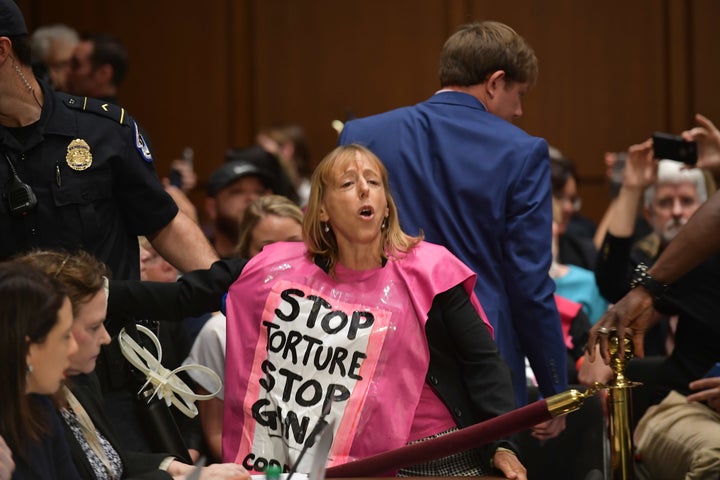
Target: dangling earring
{"x":29,"y":368}
{"x":384,"y":224}
{"x":326,"y":228}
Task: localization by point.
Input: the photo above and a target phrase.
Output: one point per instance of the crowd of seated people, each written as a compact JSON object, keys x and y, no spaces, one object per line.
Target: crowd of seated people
{"x":55,"y":423}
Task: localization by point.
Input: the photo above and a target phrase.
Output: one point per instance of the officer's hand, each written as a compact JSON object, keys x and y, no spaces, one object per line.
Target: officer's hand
{"x":633,"y":314}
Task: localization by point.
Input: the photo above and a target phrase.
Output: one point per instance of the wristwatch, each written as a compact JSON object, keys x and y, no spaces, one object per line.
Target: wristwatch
{"x":641,"y":277}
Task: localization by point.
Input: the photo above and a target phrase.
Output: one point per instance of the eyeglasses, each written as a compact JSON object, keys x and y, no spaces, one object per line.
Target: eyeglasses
{"x":574,"y":202}
{"x":669,"y":203}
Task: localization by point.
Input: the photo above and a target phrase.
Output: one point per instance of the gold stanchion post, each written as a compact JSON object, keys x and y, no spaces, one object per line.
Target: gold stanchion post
{"x":619,"y":407}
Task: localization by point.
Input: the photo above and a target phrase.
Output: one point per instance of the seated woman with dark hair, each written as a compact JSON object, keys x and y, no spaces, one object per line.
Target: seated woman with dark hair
{"x":95,"y":450}
{"x":35,"y":345}
{"x":576,"y":245}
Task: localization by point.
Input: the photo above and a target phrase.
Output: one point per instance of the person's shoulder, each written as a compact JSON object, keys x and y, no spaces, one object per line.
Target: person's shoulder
{"x":378,"y":118}
{"x":98,"y":108}
{"x":105,"y":116}
{"x":215,"y":327}
{"x":432,"y":254}
{"x":428,"y":248}
{"x":277,"y":253}
{"x":516,"y":135}
{"x":217,"y":321}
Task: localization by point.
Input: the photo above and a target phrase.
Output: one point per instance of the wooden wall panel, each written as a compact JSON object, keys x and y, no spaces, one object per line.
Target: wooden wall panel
{"x":705,"y":60}
{"x":211,"y":74}
{"x":325,"y":60}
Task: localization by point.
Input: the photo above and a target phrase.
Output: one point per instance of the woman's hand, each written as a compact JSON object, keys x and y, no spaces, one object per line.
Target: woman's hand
{"x":594,"y":370}
{"x":216,"y":471}
{"x":641,"y":168}
{"x":7,"y":466}
{"x":508,"y":463}
{"x":707,"y":137}
{"x":709,"y":392}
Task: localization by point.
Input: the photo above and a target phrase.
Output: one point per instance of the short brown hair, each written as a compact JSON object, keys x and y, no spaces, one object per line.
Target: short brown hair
{"x":81,"y":274}
{"x":477,"y":50}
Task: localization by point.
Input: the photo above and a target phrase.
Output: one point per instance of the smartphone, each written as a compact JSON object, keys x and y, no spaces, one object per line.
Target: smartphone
{"x":616,"y":175}
{"x":673,"y":147}
{"x":175,"y":177}
{"x":714,"y":371}
{"x":187,"y":155}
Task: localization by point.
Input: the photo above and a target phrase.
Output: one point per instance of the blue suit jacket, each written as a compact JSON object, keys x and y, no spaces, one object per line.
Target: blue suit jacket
{"x":480,"y":186}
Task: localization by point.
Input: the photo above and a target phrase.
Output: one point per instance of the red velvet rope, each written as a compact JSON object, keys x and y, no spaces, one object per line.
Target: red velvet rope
{"x":455,"y":442}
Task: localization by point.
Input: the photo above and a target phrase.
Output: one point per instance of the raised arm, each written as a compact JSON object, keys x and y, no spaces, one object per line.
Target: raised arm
{"x":612,"y":269}
{"x":697,"y":241}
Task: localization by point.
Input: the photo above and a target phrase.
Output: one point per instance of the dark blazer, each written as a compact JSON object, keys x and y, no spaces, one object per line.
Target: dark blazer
{"x":466,"y":370}
{"x":48,"y":459}
{"x":481,"y":187}
{"x":136,"y":465}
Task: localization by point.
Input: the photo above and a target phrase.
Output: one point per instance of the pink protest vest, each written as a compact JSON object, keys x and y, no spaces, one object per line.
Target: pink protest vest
{"x":298,"y":340}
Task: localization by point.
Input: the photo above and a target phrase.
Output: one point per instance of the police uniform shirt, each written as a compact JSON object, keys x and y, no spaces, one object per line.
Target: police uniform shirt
{"x":94,"y":180}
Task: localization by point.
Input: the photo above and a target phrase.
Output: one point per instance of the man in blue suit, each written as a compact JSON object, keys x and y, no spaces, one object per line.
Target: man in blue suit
{"x":477,"y":184}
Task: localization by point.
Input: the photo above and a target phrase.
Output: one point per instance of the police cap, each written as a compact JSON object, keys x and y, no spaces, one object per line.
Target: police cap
{"x":231,"y":171}
{"x":11,"y":19}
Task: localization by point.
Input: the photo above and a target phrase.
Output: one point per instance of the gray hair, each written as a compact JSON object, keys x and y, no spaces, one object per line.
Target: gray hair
{"x":670,"y":171}
{"x":43,"y":37}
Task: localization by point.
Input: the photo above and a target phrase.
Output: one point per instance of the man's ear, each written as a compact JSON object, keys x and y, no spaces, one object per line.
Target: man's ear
{"x":5,"y":49}
{"x":494,"y":82}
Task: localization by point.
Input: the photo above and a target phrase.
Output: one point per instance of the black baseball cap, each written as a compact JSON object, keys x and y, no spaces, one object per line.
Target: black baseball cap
{"x":12,"y":21}
{"x":231,"y":171}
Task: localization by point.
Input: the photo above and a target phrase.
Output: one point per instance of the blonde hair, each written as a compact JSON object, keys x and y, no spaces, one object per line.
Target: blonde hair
{"x":556,"y":210}
{"x":262,"y":207}
{"x":394,"y":241}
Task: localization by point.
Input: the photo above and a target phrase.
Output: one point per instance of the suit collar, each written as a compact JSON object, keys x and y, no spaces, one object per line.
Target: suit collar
{"x":453,"y":97}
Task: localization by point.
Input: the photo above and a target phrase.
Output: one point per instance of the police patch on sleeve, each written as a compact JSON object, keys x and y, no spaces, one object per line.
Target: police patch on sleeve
{"x":141,"y":145}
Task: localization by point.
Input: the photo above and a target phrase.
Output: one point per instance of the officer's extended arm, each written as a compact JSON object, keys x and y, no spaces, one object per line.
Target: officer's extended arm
{"x":183,"y":244}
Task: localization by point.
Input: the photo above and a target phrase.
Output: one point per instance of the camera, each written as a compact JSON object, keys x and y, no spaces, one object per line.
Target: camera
{"x":673,"y":147}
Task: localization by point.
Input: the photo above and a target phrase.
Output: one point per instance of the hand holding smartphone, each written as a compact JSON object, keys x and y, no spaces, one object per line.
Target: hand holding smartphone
{"x":673,"y":147}
{"x":713,"y":372}
{"x":175,"y":176}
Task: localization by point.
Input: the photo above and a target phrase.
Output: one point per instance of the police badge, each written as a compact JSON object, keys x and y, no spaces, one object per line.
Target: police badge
{"x":78,"y":155}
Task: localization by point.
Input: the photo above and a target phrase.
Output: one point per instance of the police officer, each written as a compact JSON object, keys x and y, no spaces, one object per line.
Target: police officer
{"x":75,"y":173}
